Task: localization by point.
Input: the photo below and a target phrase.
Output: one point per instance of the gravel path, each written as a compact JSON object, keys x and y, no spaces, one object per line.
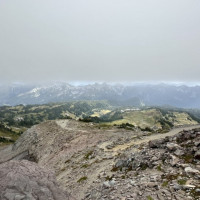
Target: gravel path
{"x":151,"y":137}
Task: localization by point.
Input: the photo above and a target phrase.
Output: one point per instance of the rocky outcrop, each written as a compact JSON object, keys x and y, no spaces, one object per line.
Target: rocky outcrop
{"x":26,"y":180}
{"x":162,"y":169}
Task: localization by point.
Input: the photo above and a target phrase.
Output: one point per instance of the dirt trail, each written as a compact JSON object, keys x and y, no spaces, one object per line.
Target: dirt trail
{"x":149,"y":138}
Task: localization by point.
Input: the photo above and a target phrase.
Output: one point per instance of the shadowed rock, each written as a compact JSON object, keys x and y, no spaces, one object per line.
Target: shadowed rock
{"x":26,"y":180}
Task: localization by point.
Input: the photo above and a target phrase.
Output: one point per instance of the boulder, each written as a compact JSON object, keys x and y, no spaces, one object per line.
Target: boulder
{"x":191,"y":170}
{"x":172,"y":146}
{"x":155,"y":143}
{"x":26,"y":180}
{"x":179,"y":152}
{"x":108,"y":184}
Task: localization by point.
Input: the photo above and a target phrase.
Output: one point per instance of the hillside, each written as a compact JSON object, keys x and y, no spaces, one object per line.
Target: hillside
{"x":16,"y":119}
{"x":7,"y":135}
{"x":149,"y":119}
{"x":26,"y":116}
{"x":91,"y":162}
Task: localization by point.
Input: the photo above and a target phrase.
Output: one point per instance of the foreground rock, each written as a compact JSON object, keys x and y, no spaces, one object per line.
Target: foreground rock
{"x":26,"y":180}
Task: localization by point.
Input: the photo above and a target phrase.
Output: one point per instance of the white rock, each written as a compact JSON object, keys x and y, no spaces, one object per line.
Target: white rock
{"x":189,"y":186}
{"x":192,"y":171}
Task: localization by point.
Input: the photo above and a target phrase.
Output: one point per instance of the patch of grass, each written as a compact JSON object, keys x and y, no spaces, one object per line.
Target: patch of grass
{"x":63,"y":169}
{"x":88,"y":154}
{"x":99,"y":113}
{"x":170,"y":177}
{"x":123,"y":177}
{"x":159,"y":167}
{"x":188,"y":158}
{"x":6,"y":140}
{"x":104,"y":126}
{"x":182,"y":181}
{"x":67,"y":161}
{"x":149,"y":198}
{"x":7,"y":135}
{"x":109,"y":178}
{"x":129,"y":169}
{"x":143,"y":166}
{"x":115,"y":169}
{"x":163,"y":160}
{"x":148,"y":129}
{"x":165,"y":183}
{"x":84,"y":178}
{"x":85,"y":166}
{"x":164,"y":130}
{"x":126,"y":126}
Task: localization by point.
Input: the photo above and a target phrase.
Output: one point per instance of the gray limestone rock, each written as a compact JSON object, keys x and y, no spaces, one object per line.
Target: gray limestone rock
{"x":26,"y":180}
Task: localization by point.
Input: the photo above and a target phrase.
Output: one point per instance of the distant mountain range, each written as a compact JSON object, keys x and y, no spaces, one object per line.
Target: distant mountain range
{"x":118,"y":94}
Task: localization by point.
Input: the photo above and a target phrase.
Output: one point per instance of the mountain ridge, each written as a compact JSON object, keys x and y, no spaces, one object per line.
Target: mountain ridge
{"x":134,"y":95}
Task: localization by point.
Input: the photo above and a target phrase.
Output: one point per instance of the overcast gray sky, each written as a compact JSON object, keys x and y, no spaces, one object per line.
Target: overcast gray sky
{"x":100,"y":40}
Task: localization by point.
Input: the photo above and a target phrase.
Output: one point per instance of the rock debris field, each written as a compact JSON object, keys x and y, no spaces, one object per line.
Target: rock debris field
{"x":67,"y":159}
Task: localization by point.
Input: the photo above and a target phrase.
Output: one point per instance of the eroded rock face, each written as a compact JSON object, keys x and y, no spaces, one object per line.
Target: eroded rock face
{"x":26,"y":180}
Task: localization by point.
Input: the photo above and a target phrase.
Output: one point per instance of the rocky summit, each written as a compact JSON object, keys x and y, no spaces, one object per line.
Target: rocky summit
{"x":68,"y":159}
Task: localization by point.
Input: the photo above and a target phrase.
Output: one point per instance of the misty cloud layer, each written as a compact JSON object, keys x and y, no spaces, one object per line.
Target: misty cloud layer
{"x":106,"y":40}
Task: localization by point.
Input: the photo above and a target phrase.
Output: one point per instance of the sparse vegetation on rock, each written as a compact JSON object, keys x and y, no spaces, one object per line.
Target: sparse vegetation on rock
{"x":113,"y":163}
